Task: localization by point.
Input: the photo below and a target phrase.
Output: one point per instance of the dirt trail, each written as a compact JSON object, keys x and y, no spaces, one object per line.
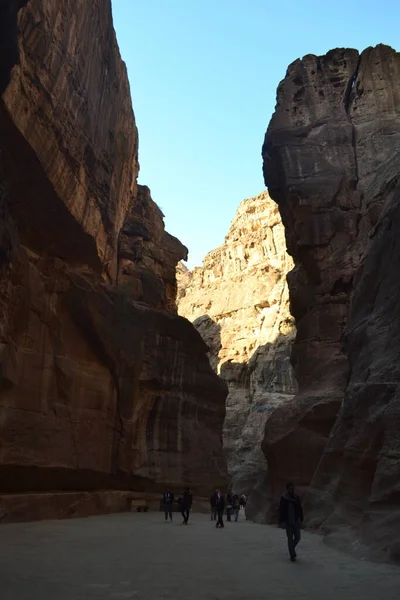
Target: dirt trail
{"x":141,"y":557}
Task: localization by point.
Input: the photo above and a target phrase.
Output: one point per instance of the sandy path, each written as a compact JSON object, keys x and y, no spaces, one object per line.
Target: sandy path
{"x":140,"y":557}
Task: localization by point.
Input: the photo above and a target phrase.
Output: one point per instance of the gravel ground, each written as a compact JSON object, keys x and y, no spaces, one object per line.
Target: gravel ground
{"x":140,"y":556}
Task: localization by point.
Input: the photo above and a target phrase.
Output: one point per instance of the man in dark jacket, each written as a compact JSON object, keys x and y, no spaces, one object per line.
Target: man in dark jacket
{"x":291,"y":515}
{"x":186,"y":505}
{"x":220,"y":503}
{"x":213,"y":506}
{"x":168,"y":499}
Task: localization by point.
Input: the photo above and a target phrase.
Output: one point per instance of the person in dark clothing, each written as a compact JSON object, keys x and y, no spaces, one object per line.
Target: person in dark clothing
{"x":186,"y":505}
{"x":236,"y":507}
{"x":220,"y":503}
{"x":213,"y":505}
{"x":229,"y":506}
{"x":291,"y":515}
{"x":243,"y":501}
{"x":168,"y":499}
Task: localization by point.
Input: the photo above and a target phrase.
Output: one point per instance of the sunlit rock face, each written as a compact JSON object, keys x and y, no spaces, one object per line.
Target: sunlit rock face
{"x":331,"y":161}
{"x":238,"y":301}
{"x":102,"y":385}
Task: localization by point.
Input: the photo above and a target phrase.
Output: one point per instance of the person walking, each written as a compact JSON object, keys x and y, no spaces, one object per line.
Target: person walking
{"x":291,"y":516}
{"x":243,"y":501}
{"x":168,"y":499}
{"x":220,"y":502}
{"x":213,"y":506}
{"x":187,"y":502}
{"x":229,"y":506}
{"x":236,"y":507}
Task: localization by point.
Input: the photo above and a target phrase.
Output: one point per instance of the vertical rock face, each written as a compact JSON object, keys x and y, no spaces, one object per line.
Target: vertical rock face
{"x":102,"y":386}
{"x":238,"y":301}
{"x":148,"y":255}
{"x":68,"y":99}
{"x":331,"y":161}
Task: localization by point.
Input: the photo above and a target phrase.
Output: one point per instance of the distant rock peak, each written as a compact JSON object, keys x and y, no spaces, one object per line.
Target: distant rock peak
{"x":238,"y":301}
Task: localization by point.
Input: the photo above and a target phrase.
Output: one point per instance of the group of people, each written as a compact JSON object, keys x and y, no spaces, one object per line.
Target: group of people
{"x":290,"y":511}
{"x":232,"y":502}
{"x":185,"y":502}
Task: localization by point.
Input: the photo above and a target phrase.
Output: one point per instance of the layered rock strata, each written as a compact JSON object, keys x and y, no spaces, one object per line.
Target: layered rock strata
{"x":331,"y":161}
{"x":102,"y":386}
{"x":238,"y":301}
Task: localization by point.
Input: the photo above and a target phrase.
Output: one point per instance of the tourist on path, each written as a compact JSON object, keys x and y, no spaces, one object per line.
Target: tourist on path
{"x":243,"y":501}
{"x":236,"y":507}
{"x":291,"y":515}
{"x":229,"y":506}
{"x":213,"y":505}
{"x":168,"y":499}
{"x":220,"y":502}
{"x":187,"y":502}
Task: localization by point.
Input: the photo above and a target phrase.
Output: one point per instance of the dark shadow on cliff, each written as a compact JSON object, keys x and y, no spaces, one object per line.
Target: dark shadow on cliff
{"x":257,"y":387}
{"x":210,"y":331}
{"x":269,"y":369}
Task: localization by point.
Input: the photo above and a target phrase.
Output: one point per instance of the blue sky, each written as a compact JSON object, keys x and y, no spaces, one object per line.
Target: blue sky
{"x":203,"y":77}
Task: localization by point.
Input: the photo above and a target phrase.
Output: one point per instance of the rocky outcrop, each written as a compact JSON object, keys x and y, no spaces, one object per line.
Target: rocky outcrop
{"x":331,"y":161}
{"x":148,"y":255}
{"x":238,"y":301}
{"x":102,"y":386}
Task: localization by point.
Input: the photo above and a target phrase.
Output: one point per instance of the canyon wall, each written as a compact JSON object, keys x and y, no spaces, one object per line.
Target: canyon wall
{"x":239,"y":302}
{"x":331,"y":162}
{"x":102,"y":385}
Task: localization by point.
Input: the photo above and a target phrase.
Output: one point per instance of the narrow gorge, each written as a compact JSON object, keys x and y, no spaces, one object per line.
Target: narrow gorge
{"x":277,"y":360}
{"x":239,"y":302}
{"x":331,"y":164}
{"x":102,"y":386}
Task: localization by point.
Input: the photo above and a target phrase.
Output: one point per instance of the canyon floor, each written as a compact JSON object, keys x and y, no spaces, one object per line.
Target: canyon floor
{"x":139,"y":556}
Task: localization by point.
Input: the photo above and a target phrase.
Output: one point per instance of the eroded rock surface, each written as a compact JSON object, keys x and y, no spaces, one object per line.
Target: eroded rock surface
{"x":148,"y":255}
{"x":102,"y":386}
{"x":331,"y":161}
{"x":238,"y":301}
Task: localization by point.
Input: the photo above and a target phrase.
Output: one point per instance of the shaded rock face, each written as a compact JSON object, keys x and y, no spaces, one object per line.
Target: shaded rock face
{"x":331,"y":161}
{"x":238,"y":301}
{"x":102,"y":386}
{"x":68,"y":99}
{"x":148,"y":255}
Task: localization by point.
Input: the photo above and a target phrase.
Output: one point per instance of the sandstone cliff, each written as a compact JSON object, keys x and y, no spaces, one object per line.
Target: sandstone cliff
{"x":148,"y":255}
{"x":102,"y":386}
{"x":331,"y":161}
{"x":238,"y":301}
